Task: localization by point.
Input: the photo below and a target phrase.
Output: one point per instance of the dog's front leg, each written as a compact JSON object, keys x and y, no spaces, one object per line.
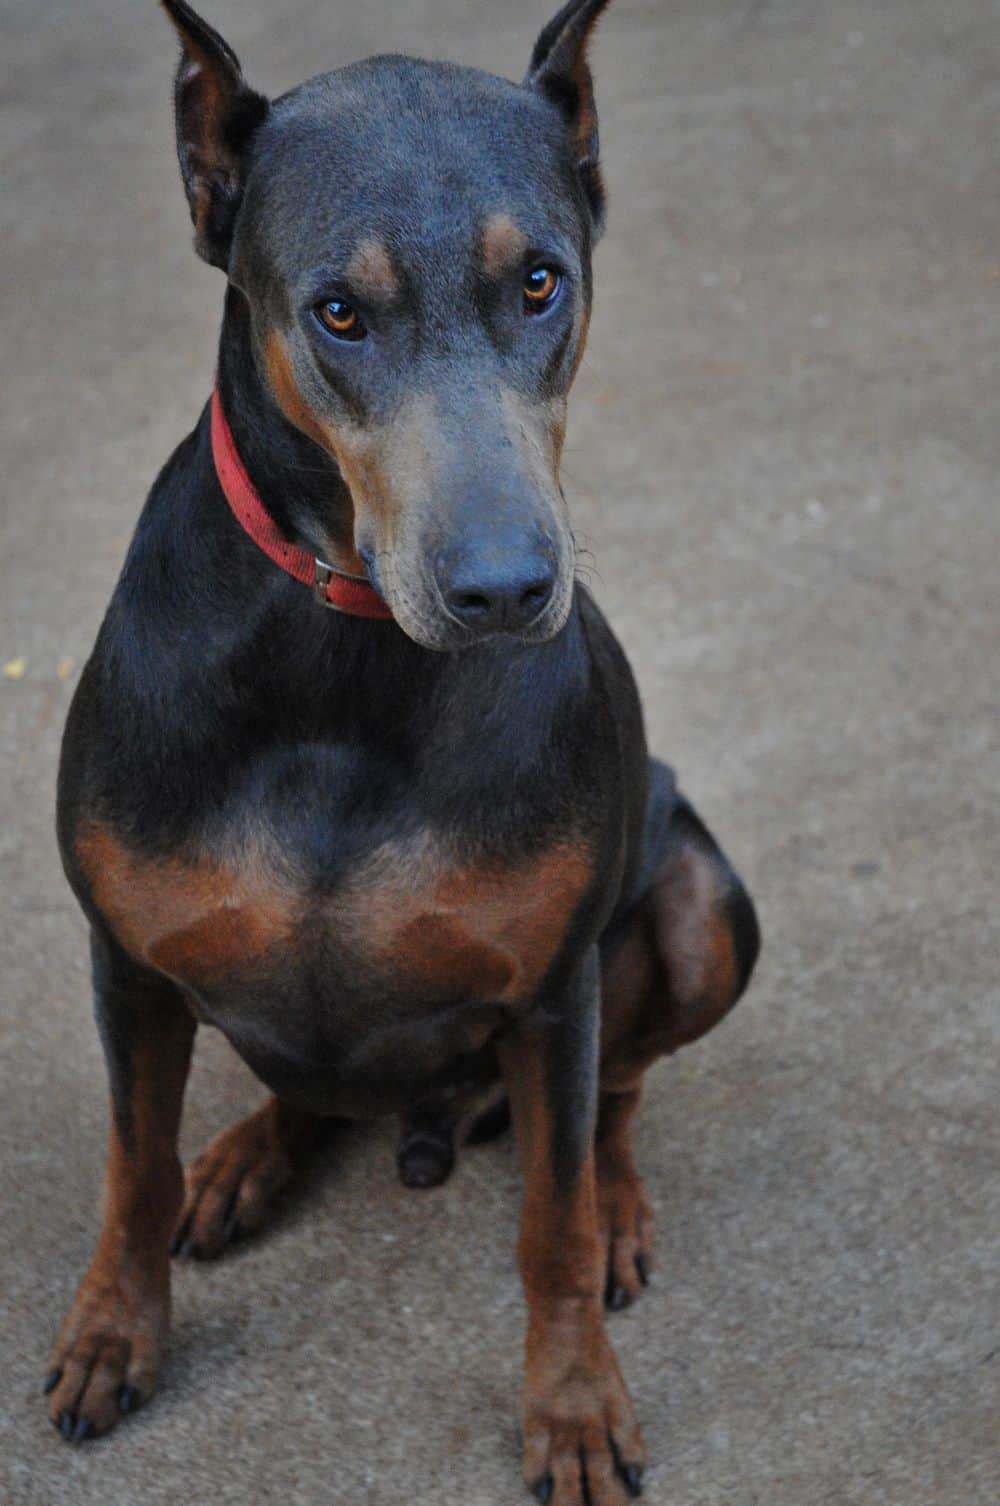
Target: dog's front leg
{"x":107,"y":1355}
{"x":581,"y":1440}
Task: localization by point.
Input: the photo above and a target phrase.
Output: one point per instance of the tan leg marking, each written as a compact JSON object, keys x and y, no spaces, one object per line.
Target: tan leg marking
{"x":107,"y":1356}
{"x":578,"y":1423}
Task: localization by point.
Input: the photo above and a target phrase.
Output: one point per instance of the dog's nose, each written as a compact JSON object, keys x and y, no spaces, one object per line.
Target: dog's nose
{"x":495,"y":593}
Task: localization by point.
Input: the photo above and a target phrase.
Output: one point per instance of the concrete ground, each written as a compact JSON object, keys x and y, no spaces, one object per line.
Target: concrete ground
{"x":784,"y":455}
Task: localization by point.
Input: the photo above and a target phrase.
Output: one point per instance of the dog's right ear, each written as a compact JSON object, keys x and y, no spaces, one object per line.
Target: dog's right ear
{"x":216,"y":114}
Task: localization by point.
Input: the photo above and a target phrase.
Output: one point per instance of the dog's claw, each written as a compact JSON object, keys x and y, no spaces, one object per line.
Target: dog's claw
{"x":642,"y":1266}
{"x":127,"y":1397}
{"x":542,"y":1489}
{"x":233,"y":1230}
{"x":51,"y":1381}
{"x":66,"y":1422}
{"x":83,"y":1431}
{"x":618,"y":1299}
{"x":633,"y":1479}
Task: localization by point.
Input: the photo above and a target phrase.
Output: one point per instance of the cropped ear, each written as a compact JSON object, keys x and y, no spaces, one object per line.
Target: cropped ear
{"x":216,"y":114}
{"x":559,"y":70}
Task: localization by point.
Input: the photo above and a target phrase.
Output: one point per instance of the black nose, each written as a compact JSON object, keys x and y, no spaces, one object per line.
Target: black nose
{"x":493,"y":593}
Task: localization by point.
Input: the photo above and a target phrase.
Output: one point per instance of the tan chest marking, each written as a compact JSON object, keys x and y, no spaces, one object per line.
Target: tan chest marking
{"x":481,"y":931}
{"x":193,"y":920}
{"x":488,"y":932}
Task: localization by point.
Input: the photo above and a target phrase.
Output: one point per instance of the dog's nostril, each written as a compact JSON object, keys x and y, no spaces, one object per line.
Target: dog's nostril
{"x":537,"y":595}
{"x":496,"y":589}
{"x":471,"y":603}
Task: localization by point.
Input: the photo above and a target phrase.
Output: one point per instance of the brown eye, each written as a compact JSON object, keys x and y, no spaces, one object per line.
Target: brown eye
{"x":541,"y":288}
{"x":341,"y":320}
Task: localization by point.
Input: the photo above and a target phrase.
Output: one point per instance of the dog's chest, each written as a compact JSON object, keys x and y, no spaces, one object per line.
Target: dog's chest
{"x":475,"y":929}
{"x":408,"y":915}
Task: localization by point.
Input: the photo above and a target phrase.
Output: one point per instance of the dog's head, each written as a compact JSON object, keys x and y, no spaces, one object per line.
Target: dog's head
{"x":413,"y":244}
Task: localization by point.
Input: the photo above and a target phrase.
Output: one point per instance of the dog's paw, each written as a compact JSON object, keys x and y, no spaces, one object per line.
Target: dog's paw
{"x":107,"y":1357}
{"x":625,"y":1220}
{"x":626,"y":1223}
{"x":581,"y":1439}
{"x":426,"y":1157}
{"x":229,"y":1188}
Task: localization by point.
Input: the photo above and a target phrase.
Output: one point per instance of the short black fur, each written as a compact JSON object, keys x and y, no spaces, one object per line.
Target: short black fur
{"x":387,"y":858}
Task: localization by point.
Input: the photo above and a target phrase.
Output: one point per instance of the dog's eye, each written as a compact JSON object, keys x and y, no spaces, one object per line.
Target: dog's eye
{"x":341,"y":320}
{"x":541,"y":289}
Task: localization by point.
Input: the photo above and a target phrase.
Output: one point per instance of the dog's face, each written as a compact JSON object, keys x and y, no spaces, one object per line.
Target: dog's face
{"x":413,"y":242}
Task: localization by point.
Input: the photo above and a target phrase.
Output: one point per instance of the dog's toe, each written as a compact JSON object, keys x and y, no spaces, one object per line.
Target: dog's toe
{"x":106,"y":1359}
{"x":626,"y":1221}
{"x":228,"y":1191}
{"x":425,"y":1159}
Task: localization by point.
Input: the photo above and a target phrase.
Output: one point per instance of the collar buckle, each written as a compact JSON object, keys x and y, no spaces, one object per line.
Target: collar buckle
{"x":322,"y":576}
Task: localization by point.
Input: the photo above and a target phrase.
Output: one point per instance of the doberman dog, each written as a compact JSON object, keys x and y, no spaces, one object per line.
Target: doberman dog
{"x":356,"y":772}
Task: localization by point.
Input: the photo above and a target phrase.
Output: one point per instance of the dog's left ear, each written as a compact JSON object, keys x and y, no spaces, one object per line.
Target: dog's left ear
{"x":216,"y":114}
{"x":559,"y":70}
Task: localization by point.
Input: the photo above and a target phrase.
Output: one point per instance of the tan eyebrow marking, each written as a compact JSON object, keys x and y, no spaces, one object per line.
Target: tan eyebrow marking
{"x":371,"y":270}
{"x":504,"y":244}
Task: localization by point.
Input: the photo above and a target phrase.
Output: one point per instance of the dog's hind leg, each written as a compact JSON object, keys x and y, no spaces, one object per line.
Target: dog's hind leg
{"x":229,"y":1188}
{"x":672,"y":968}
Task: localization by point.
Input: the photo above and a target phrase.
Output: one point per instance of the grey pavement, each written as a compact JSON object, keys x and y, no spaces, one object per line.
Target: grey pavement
{"x":784,"y":455}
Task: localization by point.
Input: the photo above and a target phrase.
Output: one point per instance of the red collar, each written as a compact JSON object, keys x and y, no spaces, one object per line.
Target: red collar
{"x":346,"y":593}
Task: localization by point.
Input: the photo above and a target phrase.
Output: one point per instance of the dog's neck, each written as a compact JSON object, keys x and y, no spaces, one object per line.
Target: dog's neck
{"x":300,"y":486}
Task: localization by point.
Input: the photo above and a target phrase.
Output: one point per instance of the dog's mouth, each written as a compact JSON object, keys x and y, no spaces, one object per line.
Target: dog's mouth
{"x":420,"y":611}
